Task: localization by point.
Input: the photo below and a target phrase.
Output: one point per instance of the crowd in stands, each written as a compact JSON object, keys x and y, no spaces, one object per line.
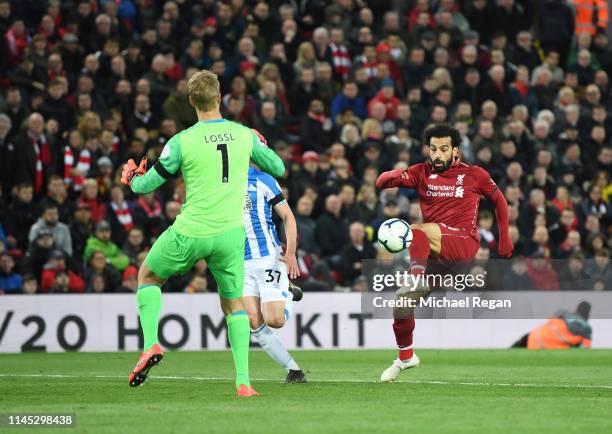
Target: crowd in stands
{"x":341,"y":89}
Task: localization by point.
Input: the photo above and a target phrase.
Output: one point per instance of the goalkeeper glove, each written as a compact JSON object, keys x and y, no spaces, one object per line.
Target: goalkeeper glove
{"x":130,"y":170}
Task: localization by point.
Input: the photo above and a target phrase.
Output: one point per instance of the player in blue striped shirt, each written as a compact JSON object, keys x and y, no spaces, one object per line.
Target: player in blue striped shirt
{"x":268,"y":294}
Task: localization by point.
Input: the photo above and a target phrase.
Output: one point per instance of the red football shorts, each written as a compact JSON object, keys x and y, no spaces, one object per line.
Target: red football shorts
{"x":457,"y":244}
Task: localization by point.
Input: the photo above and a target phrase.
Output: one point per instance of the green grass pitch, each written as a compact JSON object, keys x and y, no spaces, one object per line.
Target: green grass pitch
{"x":453,"y":391}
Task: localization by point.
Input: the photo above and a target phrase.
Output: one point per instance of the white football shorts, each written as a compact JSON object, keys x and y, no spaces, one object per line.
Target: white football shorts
{"x":266,"y":278}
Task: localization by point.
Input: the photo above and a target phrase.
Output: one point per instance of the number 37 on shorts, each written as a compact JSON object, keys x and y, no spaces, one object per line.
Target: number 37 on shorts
{"x":266,"y":278}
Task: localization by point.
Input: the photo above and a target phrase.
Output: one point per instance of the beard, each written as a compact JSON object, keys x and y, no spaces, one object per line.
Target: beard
{"x":439,"y":168}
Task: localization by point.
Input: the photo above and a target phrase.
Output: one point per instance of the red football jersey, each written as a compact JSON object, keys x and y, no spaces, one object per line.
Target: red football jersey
{"x":451,"y":197}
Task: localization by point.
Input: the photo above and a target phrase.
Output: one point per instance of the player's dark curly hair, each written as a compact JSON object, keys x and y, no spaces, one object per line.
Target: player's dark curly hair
{"x":442,"y":130}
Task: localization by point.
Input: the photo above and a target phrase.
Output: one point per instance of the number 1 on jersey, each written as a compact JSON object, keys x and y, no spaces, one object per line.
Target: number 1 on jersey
{"x":222,"y":147}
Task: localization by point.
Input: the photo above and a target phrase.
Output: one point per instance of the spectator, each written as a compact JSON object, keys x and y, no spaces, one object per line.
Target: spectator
{"x":496,"y":89}
{"x":573,"y":277}
{"x":309,"y":174}
{"x":386,"y":95}
{"x":49,"y":220}
{"x":541,"y":273}
{"x":35,"y":157}
{"x":171,"y":210}
{"x":101,"y":242}
{"x":141,"y":117}
{"x":316,"y":130}
{"x":100,"y":274}
{"x":306,"y":225}
{"x":57,"y":195}
{"x":90,"y":198}
{"x":120,"y":215}
{"x":81,"y":228}
{"x":521,"y":92}
{"x":7,"y":152}
{"x":567,"y":223}
{"x":56,"y":107}
{"x":197,"y":283}
{"x":571,"y":245}
{"x":304,"y":90}
{"x":331,"y":230}
{"x":594,"y":205}
{"x":269,"y":124}
{"x":134,"y":244}
{"x":524,"y":53}
{"x":516,"y":276}
{"x":556,"y":24}
{"x":600,"y":270}
{"x":357,"y":250}
{"x":17,"y":40}
{"x":348,"y":99}
{"x":148,"y":213}
{"x":10,"y":281}
{"x":178,"y":108}
{"x":29,"y":284}
{"x":22,"y":213}
{"x":39,"y":252}
{"x":129,"y":281}
{"x":69,"y":282}
{"x":595,"y":242}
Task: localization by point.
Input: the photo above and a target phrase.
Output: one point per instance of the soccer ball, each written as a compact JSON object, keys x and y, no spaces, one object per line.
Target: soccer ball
{"x":395,"y":235}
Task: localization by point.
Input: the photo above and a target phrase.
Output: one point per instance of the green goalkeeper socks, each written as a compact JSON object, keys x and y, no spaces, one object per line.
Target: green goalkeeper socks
{"x":149,"y":306}
{"x":239,"y":334}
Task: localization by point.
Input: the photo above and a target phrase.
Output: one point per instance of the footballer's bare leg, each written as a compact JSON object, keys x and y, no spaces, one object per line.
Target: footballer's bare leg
{"x":426,"y":242}
{"x":149,"y":306}
{"x":263,"y":317}
{"x":274,"y":313}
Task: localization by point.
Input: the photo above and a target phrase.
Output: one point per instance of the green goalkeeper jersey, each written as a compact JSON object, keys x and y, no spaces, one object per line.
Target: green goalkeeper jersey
{"x":213,"y":157}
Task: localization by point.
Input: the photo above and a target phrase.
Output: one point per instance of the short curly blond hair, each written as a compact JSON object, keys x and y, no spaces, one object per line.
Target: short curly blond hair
{"x":204,"y":89}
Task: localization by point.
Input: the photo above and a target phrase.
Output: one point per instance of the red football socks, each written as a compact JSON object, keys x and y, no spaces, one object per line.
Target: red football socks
{"x":419,"y":252}
{"x":403,"y":329}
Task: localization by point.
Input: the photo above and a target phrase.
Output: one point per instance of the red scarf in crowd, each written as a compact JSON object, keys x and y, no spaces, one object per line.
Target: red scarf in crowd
{"x":123,"y":214}
{"x":154,"y":210}
{"x":522,"y":88}
{"x":43,"y":158}
{"x":83,"y":165}
{"x":16,"y":45}
{"x":319,"y":118}
{"x":341,"y":59}
{"x":369,"y":66}
{"x":98,"y":209}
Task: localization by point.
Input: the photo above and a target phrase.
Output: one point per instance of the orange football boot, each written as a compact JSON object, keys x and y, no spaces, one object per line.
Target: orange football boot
{"x":245,"y":391}
{"x":147,"y":360}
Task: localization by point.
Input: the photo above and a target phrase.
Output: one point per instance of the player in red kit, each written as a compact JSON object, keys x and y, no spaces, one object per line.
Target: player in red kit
{"x":449,"y":194}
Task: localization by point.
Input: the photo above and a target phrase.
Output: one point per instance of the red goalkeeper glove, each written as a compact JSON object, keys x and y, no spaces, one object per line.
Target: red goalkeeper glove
{"x":130,"y":170}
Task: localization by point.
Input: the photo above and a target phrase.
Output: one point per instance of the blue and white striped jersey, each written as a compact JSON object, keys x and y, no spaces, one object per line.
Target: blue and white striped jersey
{"x":263,"y":192}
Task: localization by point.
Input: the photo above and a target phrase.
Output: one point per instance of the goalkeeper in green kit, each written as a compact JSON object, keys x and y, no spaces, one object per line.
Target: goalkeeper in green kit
{"x":213,"y":157}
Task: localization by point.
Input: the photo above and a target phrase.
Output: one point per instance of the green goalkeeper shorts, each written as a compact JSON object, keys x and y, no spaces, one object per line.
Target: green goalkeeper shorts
{"x":174,"y":253}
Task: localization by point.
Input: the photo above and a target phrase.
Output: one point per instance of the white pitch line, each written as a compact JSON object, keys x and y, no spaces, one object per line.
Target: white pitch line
{"x":438,"y":382}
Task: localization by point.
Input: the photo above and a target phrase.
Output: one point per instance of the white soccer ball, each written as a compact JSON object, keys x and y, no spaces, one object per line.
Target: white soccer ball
{"x":395,"y":235}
